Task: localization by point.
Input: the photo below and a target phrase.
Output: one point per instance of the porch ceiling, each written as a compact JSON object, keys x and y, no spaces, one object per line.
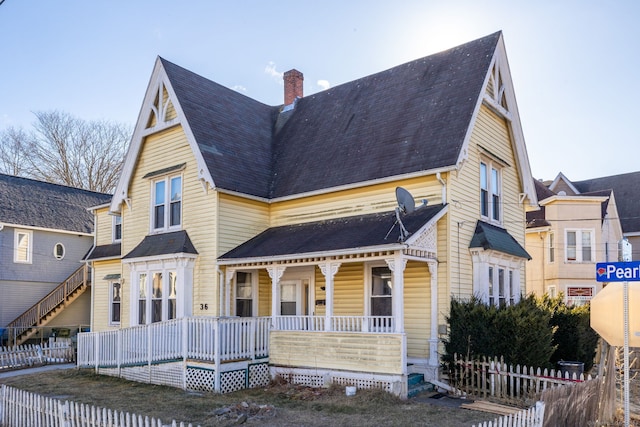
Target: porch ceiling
{"x":372,"y":232}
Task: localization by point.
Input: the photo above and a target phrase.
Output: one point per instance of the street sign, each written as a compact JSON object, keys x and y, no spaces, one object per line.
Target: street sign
{"x":618,"y":271}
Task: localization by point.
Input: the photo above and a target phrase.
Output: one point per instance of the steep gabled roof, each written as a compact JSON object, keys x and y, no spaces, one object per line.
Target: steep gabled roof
{"x":233,"y":131}
{"x":413,"y":119}
{"x":29,"y":203}
{"x":408,"y":119}
{"x":537,"y":218}
{"x":626,"y":188}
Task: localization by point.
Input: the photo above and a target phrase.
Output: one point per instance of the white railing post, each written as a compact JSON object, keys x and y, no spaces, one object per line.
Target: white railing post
{"x":3,"y":400}
{"x":96,"y":349}
{"x":216,"y":353}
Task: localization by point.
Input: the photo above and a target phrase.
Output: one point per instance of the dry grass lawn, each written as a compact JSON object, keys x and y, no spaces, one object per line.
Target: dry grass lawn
{"x":279,"y":404}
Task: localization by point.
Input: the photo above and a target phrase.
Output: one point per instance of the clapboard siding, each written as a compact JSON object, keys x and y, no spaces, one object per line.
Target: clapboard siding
{"x":357,"y":201}
{"x":348,"y":290}
{"x":264,"y":293}
{"x":330,"y":350}
{"x":240,"y":220}
{"x":417,"y":308}
{"x":104,"y":226}
{"x":101,"y":297}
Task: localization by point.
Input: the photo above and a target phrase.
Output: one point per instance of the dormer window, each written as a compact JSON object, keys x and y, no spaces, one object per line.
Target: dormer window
{"x":167,"y":203}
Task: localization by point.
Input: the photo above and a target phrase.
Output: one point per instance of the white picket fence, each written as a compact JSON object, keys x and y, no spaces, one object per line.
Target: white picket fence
{"x":24,"y":356}
{"x":493,"y":377}
{"x":532,"y":417}
{"x":19,"y":408}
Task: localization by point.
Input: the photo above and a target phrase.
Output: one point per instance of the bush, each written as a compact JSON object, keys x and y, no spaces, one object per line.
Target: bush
{"x":533,"y":332}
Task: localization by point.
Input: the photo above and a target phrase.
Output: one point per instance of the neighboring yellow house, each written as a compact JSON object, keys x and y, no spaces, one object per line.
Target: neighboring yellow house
{"x":567,"y":237}
{"x":229,"y":207}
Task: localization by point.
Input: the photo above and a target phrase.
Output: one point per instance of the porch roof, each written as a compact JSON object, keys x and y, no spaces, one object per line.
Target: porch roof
{"x":373,"y":231}
{"x":103,"y":251}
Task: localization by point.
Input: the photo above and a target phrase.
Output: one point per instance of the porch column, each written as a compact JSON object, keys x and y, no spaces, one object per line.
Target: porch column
{"x":227,"y":294}
{"x":275,"y":273}
{"x":397,"y":266}
{"x":329,"y":270}
{"x":433,"y":340}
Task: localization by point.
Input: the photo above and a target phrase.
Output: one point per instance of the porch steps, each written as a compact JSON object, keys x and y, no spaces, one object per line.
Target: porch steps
{"x":417,"y":385}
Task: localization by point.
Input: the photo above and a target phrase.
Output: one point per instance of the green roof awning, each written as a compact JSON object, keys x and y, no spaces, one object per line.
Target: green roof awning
{"x":111,"y":277}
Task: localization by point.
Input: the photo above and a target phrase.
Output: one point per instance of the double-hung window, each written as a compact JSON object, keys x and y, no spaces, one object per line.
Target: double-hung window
{"x":117,"y":228}
{"x":23,"y":248}
{"x":115,"y":301}
{"x":579,"y":246}
{"x":167,"y":203}
{"x":490,"y":191}
{"x":244,"y":294}
{"x":381,"y":295}
{"x":501,"y":287}
{"x":552,"y":248}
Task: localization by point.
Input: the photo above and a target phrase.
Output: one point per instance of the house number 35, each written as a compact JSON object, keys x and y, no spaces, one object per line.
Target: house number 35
{"x":204,"y":306}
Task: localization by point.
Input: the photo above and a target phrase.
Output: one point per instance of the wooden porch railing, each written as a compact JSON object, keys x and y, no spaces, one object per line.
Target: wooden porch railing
{"x":373,"y":324}
{"x":35,"y":315}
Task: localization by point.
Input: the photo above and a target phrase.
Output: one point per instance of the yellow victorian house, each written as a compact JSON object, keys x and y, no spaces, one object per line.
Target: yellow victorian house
{"x":321,"y":239}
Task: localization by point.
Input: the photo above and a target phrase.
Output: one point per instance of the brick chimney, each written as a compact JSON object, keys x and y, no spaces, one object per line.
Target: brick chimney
{"x":292,"y":86}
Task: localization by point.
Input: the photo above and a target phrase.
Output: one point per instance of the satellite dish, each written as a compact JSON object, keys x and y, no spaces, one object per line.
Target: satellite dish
{"x":406,"y":203}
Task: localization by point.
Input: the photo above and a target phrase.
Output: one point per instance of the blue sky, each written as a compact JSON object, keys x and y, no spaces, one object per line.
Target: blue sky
{"x":574,"y":63}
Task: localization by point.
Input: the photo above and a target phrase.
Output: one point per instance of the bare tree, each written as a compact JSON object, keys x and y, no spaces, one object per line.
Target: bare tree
{"x":67,"y":150}
{"x":13,"y":156}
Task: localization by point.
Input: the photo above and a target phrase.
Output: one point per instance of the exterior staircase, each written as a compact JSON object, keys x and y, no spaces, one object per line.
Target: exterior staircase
{"x":45,"y":310}
{"x":417,"y":385}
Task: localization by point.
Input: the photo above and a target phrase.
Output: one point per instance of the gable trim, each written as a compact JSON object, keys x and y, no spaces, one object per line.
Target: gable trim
{"x":566,"y":180}
{"x":158,"y":81}
{"x":500,"y":61}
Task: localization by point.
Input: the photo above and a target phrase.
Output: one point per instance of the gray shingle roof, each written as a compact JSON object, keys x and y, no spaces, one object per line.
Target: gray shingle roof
{"x":626,"y":188}
{"x":488,"y":236}
{"x":410,"y":118}
{"x":30,"y":203}
{"x":332,"y":235}
{"x":104,"y":251}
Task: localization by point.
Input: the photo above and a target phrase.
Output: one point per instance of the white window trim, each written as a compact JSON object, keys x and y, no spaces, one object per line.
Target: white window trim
{"x":490,"y":166}
{"x":482,"y":260}
{"x":167,"y":204}
{"x":184,"y":285}
{"x":551,"y":248}
{"x":369,"y":266}
{"x":579,"y":259}
{"x":111,"y":302}
{"x":582,"y":300}
{"x":254,"y":291}
{"x":55,"y":254}
{"x":113,"y":228}
{"x":16,"y":234}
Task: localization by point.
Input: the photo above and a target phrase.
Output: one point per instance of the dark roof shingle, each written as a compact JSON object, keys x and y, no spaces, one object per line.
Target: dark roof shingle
{"x":332,"y":235}
{"x":408,"y":119}
{"x":176,"y":242}
{"x":626,"y":188}
{"x":30,"y":203}
{"x":488,"y":236}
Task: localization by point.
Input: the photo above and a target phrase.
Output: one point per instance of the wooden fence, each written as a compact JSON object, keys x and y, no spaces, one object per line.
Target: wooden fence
{"x":532,"y":417}
{"x":24,"y":356}
{"x":23,"y":409}
{"x":494,"y":378}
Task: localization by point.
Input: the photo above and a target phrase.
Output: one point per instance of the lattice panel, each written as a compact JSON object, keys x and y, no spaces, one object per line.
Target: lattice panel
{"x":200,"y":379}
{"x":259,"y":375}
{"x":233,"y":381}
{"x":308,"y":380}
{"x":363,"y":383}
{"x":167,"y":374}
{"x":136,"y":373}
{"x":112,"y":372}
